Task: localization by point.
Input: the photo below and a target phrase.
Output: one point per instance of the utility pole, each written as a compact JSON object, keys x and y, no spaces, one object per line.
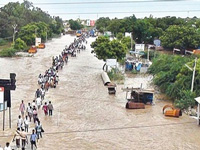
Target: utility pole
{"x":148,"y":54}
{"x":14,"y":28}
{"x":36,"y":32}
{"x":131,"y":42}
{"x":46,"y":36}
{"x":193,"y":76}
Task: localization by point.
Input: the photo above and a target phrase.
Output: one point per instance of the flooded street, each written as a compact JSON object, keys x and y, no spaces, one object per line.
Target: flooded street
{"x":85,"y":116}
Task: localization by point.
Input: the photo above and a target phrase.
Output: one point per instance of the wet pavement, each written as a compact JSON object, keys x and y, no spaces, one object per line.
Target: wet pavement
{"x":86,"y":117}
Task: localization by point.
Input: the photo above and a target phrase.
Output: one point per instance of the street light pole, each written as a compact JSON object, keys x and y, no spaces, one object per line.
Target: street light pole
{"x":46,"y":36}
{"x":148,"y":54}
{"x":35,"y":32}
{"x":131,"y":42}
{"x":193,"y":76}
{"x":14,"y":27}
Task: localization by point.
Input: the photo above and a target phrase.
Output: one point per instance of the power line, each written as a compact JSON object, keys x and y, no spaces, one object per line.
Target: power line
{"x":112,"y":129}
{"x":73,"y":13}
{"x":106,"y":2}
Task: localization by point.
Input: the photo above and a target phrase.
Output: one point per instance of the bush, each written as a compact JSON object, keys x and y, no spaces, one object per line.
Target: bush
{"x":3,"y":42}
{"x":174,"y":78}
{"x":115,"y":75}
{"x":8,"y":52}
{"x":20,"y":45}
{"x":186,"y":100}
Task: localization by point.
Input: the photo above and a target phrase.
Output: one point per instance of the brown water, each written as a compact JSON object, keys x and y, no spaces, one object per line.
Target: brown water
{"x":85,"y":116}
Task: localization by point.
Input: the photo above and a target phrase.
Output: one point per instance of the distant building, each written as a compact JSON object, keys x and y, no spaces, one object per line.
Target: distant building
{"x":66,"y":26}
{"x":90,"y":23}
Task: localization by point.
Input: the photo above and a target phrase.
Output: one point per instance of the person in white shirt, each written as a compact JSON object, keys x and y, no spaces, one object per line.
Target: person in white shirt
{"x":1,"y":148}
{"x":29,"y":111}
{"x":7,"y":147}
{"x":26,"y":124}
{"x":19,"y":122}
{"x":39,"y":102}
{"x":42,"y":93}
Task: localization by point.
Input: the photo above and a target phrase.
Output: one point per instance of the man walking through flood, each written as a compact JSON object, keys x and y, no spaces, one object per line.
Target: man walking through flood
{"x":33,"y":139}
{"x":23,"y":135}
{"x":50,"y":108}
{"x":17,"y":138}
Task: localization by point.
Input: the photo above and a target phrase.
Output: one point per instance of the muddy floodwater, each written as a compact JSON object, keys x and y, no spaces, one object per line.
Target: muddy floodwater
{"x":85,"y":116}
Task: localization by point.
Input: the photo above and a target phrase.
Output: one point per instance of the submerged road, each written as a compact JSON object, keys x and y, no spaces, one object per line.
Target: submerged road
{"x":86,"y":117}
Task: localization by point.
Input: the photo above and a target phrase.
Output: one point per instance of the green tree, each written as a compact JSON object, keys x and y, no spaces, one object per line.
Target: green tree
{"x":106,"y":49}
{"x":180,"y":37}
{"x":186,"y":100}
{"x":23,"y":14}
{"x":102,"y":24}
{"x":174,"y":78}
{"x":127,"y":42}
{"x":115,"y":26}
{"x":28,"y":32}
{"x":120,"y":36}
{"x":141,"y":32}
{"x":20,"y":44}
{"x":75,"y":25}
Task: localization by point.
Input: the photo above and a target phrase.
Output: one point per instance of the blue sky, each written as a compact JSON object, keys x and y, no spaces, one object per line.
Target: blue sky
{"x":158,"y":8}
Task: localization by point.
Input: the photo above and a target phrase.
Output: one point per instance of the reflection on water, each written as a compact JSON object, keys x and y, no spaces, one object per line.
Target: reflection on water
{"x":85,"y":116}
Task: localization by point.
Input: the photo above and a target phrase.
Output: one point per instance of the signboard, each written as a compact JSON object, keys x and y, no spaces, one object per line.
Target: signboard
{"x":1,"y":94}
{"x":157,"y":42}
{"x":37,"y":41}
{"x":1,"y":106}
{"x":139,"y":47}
{"x":127,"y":34}
{"x":2,"y":99}
{"x":111,"y":62}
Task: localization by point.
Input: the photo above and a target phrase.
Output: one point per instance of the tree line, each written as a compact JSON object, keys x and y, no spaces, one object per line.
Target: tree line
{"x":31,"y":22}
{"x":182,"y":33}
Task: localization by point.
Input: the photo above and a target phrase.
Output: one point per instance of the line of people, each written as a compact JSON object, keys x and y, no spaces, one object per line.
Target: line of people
{"x":30,"y":113}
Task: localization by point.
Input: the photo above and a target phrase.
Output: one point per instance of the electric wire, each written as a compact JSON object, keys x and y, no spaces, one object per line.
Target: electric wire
{"x":110,"y":129}
{"x":72,"y":13}
{"x":105,"y":2}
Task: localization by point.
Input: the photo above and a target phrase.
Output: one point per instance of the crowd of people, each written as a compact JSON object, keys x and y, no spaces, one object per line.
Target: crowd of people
{"x":29,"y":113}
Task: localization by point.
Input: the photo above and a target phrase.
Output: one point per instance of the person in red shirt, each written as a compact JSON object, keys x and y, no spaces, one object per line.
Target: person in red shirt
{"x":22,"y":108}
{"x":45,"y":108}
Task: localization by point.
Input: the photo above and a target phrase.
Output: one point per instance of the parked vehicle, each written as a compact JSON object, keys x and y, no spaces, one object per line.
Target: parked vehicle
{"x":138,"y":97}
{"x":33,"y":49}
{"x":172,"y":112}
{"x":41,"y":46}
{"x":111,"y":88}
